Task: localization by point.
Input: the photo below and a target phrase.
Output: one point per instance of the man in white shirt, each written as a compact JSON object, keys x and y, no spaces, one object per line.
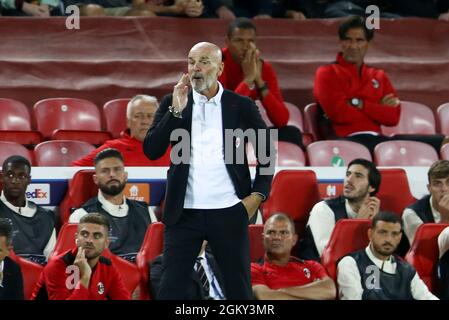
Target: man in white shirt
{"x":34,"y":235}
{"x":128,"y":219}
{"x":374,"y":273}
{"x":432,"y":208}
{"x":358,"y":201}
{"x":209,"y":194}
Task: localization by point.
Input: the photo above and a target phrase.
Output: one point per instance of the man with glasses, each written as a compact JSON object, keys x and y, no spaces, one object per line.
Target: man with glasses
{"x":280,"y":276}
{"x":34,"y":234}
{"x":139,"y":117}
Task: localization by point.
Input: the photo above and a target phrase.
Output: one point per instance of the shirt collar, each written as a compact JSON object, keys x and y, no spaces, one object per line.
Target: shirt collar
{"x":28,"y":210}
{"x":199,"y":98}
{"x":381,"y":264}
{"x":435,"y":212}
{"x":113,"y":209}
{"x":351,"y":213}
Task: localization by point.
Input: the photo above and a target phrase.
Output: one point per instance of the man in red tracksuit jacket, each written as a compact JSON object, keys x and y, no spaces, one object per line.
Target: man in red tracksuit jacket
{"x":356,"y":98}
{"x":247,"y":74}
{"x":83,"y":273}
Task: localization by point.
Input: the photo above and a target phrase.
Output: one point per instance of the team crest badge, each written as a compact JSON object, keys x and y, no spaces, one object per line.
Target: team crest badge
{"x":100,"y":287}
{"x":375,"y":83}
{"x":307,"y":273}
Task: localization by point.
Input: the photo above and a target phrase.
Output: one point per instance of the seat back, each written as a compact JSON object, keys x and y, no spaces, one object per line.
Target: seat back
{"x":67,"y":114}
{"x":60,"y":153}
{"x":293,"y":192}
{"x":416,"y":118}
{"x":81,"y":188}
{"x":152,"y":246}
{"x":295,"y":116}
{"x":114,"y":112}
{"x":424,"y":253}
{"x":394,"y":191}
{"x":66,"y":239}
{"x":444,"y":152}
{"x":8,"y":149}
{"x":335,"y":153}
{"x":30,"y":273}
{"x":15,"y":115}
{"x":404,"y":153}
{"x":443,"y":118}
{"x":349,"y":235}
{"x":288,"y":155}
{"x":311,"y":122}
{"x":256,"y":248}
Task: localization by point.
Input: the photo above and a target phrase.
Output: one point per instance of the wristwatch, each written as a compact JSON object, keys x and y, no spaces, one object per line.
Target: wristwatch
{"x":175,"y":112}
{"x":355,"y":102}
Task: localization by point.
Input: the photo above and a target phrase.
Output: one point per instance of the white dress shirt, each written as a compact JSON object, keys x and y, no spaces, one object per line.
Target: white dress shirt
{"x":215,"y":291}
{"x":412,"y":221}
{"x":350,"y":283}
{"x":29,"y":210}
{"x":209,"y":185}
{"x":2,"y":263}
{"x":322,"y":223}
{"x":115,"y":210}
{"x":443,"y":241}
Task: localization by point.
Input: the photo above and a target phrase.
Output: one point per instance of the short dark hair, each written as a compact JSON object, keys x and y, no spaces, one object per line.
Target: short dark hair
{"x":386,"y":216}
{"x":6,"y":230}
{"x":374,"y":177}
{"x":241,"y":23}
{"x":17,"y":160}
{"x":108,"y":153}
{"x":439,"y":170}
{"x":279,"y":216}
{"x":355,"y":22}
{"x":95,"y":218}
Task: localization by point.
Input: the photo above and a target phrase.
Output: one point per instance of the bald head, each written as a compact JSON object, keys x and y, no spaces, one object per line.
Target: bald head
{"x":205,"y":66}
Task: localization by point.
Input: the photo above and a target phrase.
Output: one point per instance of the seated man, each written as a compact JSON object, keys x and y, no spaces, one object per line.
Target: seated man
{"x":206,"y":281}
{"x":247,"y":74}
{"x":83,"y":273}
{"x":361,"y":183}
{"x":443,"y":263}
{"x":128,"y":219}
{"x":358,"y":99}
{"x":139,"y":116}
{"x":11,"y":281}
{"x":283,"y":277}
{"x":432,"y":208}
{"x":34,"y":235}
{"x":43,"y":8}
{"x":375,"y":273}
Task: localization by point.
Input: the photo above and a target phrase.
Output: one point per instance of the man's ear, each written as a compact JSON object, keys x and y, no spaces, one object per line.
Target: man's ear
{"x":95,"y":178}
{"x":370,"y":233}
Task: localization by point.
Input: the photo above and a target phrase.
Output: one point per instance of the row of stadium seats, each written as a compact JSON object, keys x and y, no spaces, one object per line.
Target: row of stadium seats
{"x":326,"y":153}
{"x":79,"y":119}
{"x":423,"y":253}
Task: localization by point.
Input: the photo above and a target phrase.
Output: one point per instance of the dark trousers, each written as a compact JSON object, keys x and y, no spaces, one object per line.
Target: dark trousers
{"x":226,"y":230}
{"x":370,"y":141}
{"x":290,"y":134}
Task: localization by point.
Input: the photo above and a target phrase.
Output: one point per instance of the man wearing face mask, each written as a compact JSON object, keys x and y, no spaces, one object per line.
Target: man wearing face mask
{"x":128,"y":219}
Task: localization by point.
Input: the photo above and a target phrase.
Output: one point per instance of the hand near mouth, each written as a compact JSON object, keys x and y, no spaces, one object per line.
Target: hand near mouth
{"x":180,"y":92}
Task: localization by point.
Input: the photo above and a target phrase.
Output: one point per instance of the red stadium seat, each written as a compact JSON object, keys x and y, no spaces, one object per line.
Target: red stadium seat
{"x":81,"y":188}
{"x":264,"y":114}
{"x":404,"y":153}
{"x":65,"y":240}
{"x":30,"y":273}
{"x":424,"y":253}
{"x":151,"y":247}
{"x":349,"y":235}
{"x":416,"y":118}
{"x":443,"y":118}
{"x":114,"y":113}
{"x":444,"y":152}
{"x":310,"y":121}
{"x":293,"y":192}
{"x":8,"y":149}
{"x":335,"y":153}
{"x":15,"y":123}
{"x":394,"y":192}
{"x":295,"y":116}
{"x":60,"y":153}
{"x":66,"y":114}
{"x":97,"y":138}
{"x":288,"y":155}
{"x":256,"y":248}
